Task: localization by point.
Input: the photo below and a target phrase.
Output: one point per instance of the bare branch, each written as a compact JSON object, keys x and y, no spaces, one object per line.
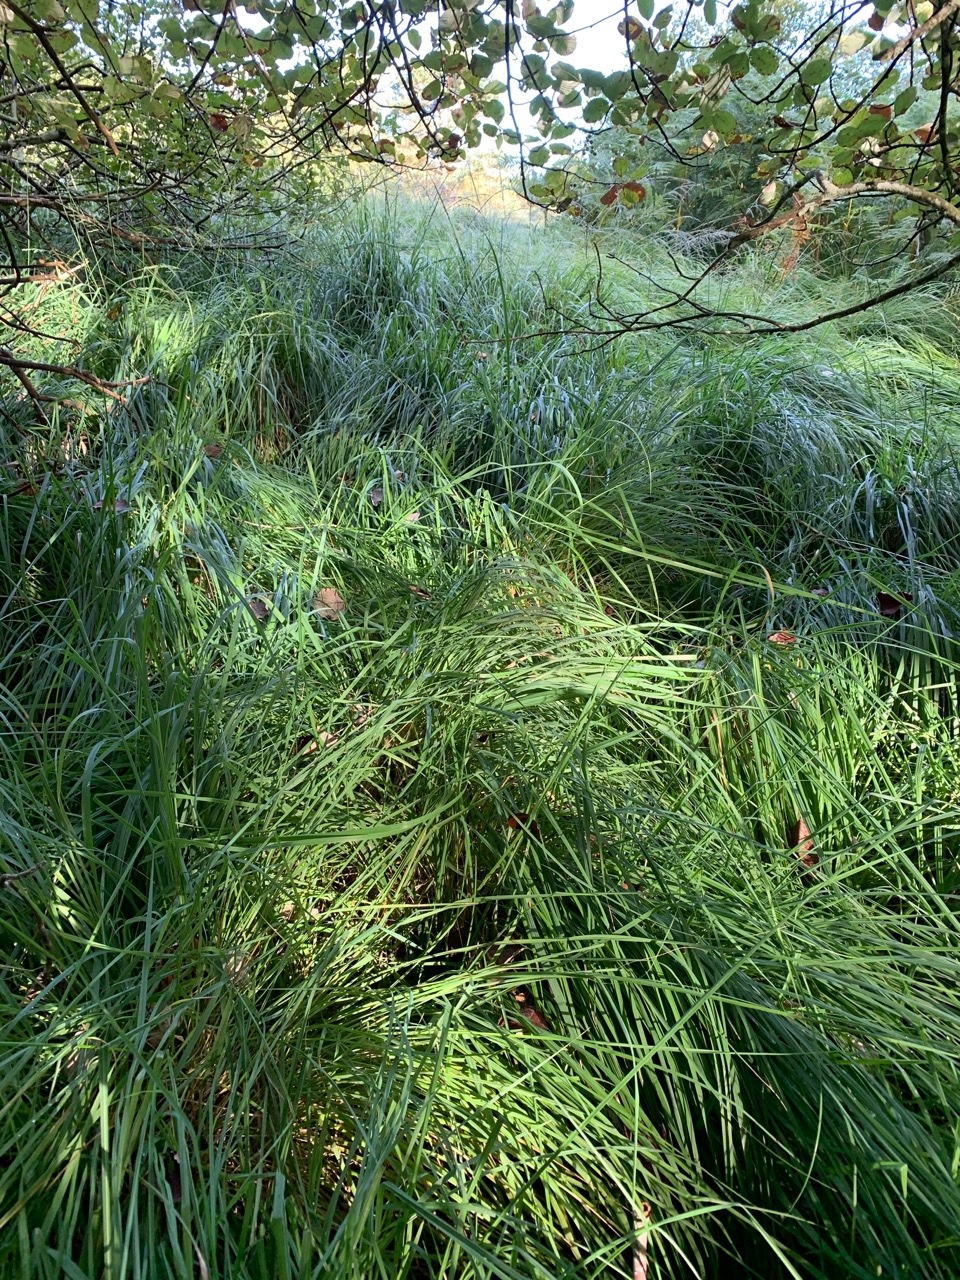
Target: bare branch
{"x":40,"y":32}
{"x":882,"y":187}
{"x":34,"y":140}
{"x":19,"y":367}
{"x":13,"y":876}
{"x":917,"y":33}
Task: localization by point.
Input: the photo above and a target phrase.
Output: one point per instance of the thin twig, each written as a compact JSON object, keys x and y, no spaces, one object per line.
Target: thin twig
{"x":12,"y":876}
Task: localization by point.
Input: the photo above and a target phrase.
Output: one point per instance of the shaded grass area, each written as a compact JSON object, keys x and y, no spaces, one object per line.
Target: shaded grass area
{"x":476,"y":805}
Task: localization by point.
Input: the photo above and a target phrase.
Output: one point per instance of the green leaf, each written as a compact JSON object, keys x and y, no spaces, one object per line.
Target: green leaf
{"x":904,"y":100}
{"x":617,"y":85}
{"x":720,"y":121}
{"x":816,"y":71}
{"x":596,"y":110}
{"x":763,"y":60}
{"x":47,"y":11}
{"x":563,"y":44}
{"x":534,"y":71}
{"x":738,"y":65}
{"x":540,"y":26}
{"x":710,"y":12}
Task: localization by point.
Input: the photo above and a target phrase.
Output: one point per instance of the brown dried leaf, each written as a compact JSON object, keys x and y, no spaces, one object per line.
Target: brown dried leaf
{"x":213,"y":450}
{"x":612,"y":194}
{"x":531,"y":1016}
{"x":307,"y":744}
{"x":528,"y":1012}
{"x":258,"y":608}
{"x":782,"y":638}
{"x":890,"y":606}
{"x":375,"y":496}
{"x":800,"y":839}
{"x":329,"y":603}
{"x":642,"y":1242}
{"x":523,"y":822}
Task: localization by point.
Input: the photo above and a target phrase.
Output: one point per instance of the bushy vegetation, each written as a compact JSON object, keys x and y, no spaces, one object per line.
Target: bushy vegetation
{"x":477,"y":804}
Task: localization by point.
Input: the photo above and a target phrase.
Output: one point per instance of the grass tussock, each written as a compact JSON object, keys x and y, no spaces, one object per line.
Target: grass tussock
{"x":475,"y":804}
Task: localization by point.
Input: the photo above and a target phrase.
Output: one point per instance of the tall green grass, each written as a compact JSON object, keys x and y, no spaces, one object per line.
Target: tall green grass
{"x":406,"y":728}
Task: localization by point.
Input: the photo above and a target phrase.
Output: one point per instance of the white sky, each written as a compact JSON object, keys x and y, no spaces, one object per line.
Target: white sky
{"x":599,"y":44}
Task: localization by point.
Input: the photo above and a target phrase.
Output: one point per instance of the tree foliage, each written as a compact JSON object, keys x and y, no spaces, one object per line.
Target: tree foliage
{"x":147,"y":121}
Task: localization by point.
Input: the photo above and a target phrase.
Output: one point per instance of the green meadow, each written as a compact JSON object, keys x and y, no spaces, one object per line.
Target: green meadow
{"x":478,"y":800}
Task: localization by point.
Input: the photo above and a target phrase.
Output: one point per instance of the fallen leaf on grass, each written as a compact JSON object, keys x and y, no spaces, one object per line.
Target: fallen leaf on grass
{"x":307,"y":744}
{"x":892,"y":606}
{"x":527,"y":1011}
{"x":329,"y":603}
{"x":258,"y":608}
{"x":523,"y":822}
{"x":800,"y":840}
{"x":782,"y":638}
{"x":375,"y":496}
{"x":642,"y":1242}
{"x":505,"y":954}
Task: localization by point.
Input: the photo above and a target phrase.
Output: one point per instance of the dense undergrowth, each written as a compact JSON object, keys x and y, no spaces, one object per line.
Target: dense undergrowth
{"x":477,"y":805}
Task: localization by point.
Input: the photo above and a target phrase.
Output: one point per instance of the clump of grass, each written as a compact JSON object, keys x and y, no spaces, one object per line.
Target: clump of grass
{"x":445,"y":828}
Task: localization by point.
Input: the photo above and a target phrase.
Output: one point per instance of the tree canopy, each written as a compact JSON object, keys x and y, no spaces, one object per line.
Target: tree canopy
{"x":147,"y":121}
